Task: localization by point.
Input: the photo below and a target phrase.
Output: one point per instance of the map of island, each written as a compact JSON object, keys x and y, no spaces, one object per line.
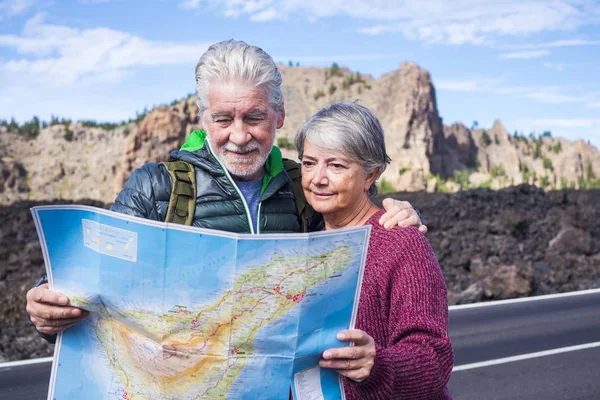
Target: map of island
{"x":232,"y":316}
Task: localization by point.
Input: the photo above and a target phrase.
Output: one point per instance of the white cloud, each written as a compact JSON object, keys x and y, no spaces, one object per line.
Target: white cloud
{"x":336,"y":58}
{"x":460,"y":86}
{"x":10,"y":8}
{"x":433,"y":21}
{"x":265,"y":15}
{"x":571,"y":43}
{"x":375,"y":30}
{"x":556,"y":67}
{"x":568,"y":122}
{"x":526,"y":55}
{"x":60,"y":55}
{"x":189,"y":4}
{"x":548,"y":94}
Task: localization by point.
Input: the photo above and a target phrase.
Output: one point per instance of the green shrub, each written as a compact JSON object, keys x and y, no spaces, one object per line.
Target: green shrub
{"x":589,"y":172}
{"x":348,"y":81}
{"x":473,"y":162}
{"x":30,"y":129}
{"x":107,"y":126}
{"x":334,"y":70}
{"x":563,"y":182}
{"x":593,"y":183}
{"x":384,"y":186}
{"x":318,"y":94}
{"x":403,"y":170}
{"x":547,"y":163}
{"x":68,"y":134}
{"x":440,"y":183}
{"x":332,"y":88}
{"x":486,"y":184}
{"x":284,"y":143}
{"x":462,"y":178}
{"x":557,"y":148}
{"x":486,"y":139}
{"x":497,"y":170}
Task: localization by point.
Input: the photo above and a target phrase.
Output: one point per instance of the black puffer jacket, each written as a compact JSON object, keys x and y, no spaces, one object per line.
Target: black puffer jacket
{"x":219,"y":204}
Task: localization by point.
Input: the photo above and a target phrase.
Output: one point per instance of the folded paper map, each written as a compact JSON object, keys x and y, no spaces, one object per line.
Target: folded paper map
{"x":185,"y":313}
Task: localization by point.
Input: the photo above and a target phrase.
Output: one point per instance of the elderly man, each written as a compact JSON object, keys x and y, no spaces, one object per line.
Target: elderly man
{"x":240,"y":180}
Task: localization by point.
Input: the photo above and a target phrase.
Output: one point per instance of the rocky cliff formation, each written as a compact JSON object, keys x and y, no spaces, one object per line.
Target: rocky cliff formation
{"x":73,"y":162}
{"x":61,"y":163}
{"x":502,"y":159}
{"x":162,"y":131}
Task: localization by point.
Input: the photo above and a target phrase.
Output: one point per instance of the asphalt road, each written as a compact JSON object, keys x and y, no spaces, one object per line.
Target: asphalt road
{"x":482,"y":334}
{"x":494,"y":332}
{"x":26,"y":382}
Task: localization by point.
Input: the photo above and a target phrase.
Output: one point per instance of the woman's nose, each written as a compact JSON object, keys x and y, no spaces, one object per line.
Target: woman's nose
{"x":320,"y":175}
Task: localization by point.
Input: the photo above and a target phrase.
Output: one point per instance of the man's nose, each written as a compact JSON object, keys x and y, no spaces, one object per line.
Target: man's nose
{"x":239,"y":135}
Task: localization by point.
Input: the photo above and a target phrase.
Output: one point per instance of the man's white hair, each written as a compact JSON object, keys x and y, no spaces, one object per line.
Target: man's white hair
{"x":232,"y":61}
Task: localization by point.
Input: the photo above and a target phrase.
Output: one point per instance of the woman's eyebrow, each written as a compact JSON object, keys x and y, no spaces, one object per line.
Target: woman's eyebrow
{"x":327,"y":159}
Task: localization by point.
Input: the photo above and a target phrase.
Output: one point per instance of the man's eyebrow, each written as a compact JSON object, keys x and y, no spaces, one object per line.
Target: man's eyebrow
{"x":218,"y":114}
{"x":257,"y":112}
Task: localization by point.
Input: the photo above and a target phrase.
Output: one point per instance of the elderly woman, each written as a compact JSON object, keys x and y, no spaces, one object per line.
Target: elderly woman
{"x":402,"y":349}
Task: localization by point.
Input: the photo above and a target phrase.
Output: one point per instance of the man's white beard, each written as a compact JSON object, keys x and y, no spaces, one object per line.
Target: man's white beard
{"x":242,"y":168}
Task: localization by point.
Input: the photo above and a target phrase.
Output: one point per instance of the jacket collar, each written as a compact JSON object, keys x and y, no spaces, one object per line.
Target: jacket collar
{"x":199,"y":153}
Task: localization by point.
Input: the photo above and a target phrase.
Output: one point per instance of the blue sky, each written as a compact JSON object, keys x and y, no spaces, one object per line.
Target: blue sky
{"x":533,"y":64}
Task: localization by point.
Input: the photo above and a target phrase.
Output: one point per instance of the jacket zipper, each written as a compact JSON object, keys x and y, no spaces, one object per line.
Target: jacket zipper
{"x":246,"y":208}
{"x":258,"y":217}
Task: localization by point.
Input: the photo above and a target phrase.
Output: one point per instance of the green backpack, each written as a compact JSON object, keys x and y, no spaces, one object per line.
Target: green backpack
{"x":182,"y":202}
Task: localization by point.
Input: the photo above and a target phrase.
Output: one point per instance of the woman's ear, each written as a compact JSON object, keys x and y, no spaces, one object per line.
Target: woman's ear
{"x":371,"y":178}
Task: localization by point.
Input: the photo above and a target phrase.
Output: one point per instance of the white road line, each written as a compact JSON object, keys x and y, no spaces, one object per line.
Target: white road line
{"x":525,"y":356}
{"x":25,"y":362}
{"x":523,"y":299}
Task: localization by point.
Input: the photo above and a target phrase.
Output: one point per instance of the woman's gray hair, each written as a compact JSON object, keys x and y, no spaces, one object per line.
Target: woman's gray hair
{"x":234,"y":60}
{"x":350,"y":129}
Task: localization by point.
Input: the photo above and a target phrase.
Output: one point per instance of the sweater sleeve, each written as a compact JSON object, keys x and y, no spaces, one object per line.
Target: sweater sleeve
{"x":418,"y":363}
{"x":138,"y":196}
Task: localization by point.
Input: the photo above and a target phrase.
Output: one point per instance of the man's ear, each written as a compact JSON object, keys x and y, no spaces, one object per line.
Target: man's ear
{"x":201,"y":120}
{"x":281,"y":117}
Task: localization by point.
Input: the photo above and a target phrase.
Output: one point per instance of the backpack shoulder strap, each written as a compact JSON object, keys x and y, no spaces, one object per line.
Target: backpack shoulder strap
{"x":182,"y":202}
{"x":305,"y":210}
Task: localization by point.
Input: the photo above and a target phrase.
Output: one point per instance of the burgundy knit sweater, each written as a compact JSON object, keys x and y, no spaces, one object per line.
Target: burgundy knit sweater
{"x":403,"y":306}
